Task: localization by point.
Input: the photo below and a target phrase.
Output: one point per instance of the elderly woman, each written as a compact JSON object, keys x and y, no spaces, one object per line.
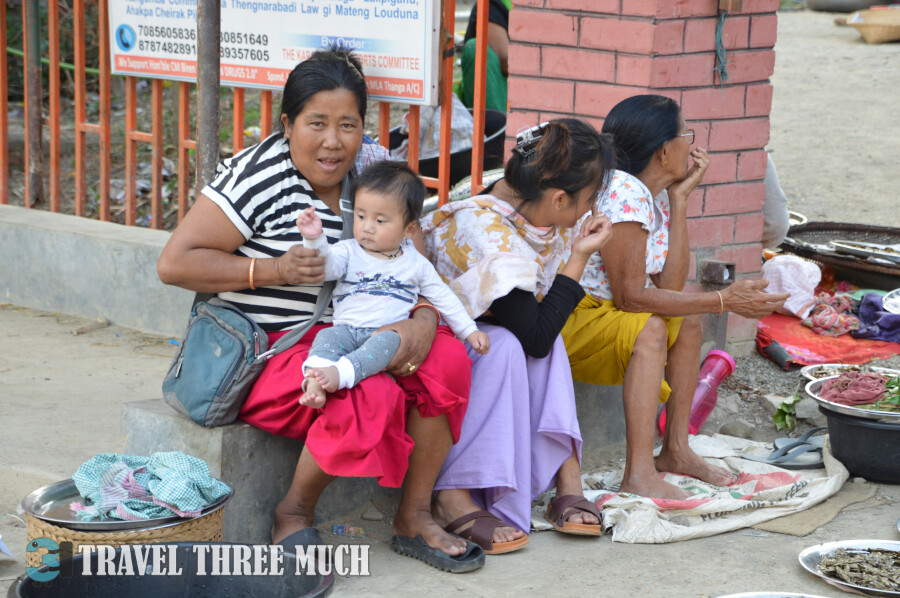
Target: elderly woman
{"x":240,"y":240}
{"x":514,"y":255}
{"x":637,"y":327}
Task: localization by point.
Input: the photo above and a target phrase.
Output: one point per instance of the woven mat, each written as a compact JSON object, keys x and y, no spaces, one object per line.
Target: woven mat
{"x":808,"y":521}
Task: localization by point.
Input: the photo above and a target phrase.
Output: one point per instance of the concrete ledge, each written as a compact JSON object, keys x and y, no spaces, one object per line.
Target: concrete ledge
{"x":84,"y":267}
{"x":258,"y":465}
{"x":601,"y":417}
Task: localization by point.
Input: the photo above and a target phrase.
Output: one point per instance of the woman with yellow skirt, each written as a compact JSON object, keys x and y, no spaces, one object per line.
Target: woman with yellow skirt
{"x":636,"y":327}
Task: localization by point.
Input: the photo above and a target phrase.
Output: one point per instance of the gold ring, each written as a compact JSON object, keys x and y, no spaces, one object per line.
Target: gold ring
{"x":412,"y":368}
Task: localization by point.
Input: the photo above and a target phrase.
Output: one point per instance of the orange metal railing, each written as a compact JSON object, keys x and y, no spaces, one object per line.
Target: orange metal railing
{"x":102,"y":127}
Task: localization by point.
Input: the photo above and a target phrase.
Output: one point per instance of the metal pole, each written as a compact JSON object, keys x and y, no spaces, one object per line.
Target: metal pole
{"x":208,"y":24}
{"x":34,"y":156}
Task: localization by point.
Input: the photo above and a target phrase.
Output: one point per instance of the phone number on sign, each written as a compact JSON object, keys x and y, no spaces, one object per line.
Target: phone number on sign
{"x":167,"y":47}
{"x":248,"y":39}
{"x":243,"y":53}
{"x":167,"y":32}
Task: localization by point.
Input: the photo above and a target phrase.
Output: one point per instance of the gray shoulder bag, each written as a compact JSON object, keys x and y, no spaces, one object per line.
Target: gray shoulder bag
{"x":224,"y":351}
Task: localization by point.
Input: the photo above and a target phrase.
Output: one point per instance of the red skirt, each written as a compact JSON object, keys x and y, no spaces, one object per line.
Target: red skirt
{"x":361,"y":432}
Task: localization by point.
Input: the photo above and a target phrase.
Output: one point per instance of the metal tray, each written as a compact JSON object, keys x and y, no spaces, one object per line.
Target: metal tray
{"x":866,"y":250}
{"x":809,"y":371}
{"x":891,"y":302}
{"x":810,"y":558}
{"x":888,"y":417}
{"x":51,"y":504}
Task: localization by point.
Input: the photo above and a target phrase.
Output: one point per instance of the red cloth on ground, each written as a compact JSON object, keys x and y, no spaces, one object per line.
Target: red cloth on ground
{"x":805,"y":347}
{"x":361,"y":432}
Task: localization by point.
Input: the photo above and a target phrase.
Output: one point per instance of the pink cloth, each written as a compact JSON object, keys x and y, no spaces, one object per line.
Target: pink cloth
{"x":853,"y":388}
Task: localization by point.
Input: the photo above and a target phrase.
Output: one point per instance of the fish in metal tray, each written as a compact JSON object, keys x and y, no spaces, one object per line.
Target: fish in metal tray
{"x":875,"y":568}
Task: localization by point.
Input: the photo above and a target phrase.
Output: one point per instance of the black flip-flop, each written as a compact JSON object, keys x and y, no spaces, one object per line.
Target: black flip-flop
{"x":418,"y":548}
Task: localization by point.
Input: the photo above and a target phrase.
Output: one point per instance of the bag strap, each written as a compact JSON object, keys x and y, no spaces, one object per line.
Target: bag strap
{"x":291,"y":338}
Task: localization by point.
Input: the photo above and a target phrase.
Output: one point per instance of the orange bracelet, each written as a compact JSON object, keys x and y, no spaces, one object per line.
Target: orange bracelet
{"x":250,"y":273}
{"x":427,"y":306}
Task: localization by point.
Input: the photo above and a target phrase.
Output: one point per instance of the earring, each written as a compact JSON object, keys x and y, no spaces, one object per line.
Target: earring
{"x":665,"y":162}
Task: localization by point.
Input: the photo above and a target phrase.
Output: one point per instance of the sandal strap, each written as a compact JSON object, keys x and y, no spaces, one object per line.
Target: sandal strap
{"x":481,"y":532}
{"x":567,"y":505}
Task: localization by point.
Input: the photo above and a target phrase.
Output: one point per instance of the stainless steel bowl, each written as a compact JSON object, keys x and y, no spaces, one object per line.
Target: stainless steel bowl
{"x":810,"y":372}
{"x":51,"y":504}
{"x":812,"y":556}
{"x":814,"y":386}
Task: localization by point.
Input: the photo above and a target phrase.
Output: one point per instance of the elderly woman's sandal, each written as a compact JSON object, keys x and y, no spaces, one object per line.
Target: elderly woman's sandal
{"x":563,"y":507}
{"x":482,"y":532}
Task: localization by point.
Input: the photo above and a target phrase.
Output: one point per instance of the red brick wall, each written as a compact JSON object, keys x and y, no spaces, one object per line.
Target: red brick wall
{"x":581,"y":57}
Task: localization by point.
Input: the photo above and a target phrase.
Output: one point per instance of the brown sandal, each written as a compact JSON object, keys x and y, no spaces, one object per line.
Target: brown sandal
{"x":482,"y":532}
{"x":563,"y":507}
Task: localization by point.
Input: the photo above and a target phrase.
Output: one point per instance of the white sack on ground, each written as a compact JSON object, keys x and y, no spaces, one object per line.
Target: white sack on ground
{"x":763,"y":492}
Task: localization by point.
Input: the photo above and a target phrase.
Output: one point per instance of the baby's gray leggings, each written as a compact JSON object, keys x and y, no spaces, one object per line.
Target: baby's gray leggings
{"x":369,"y":353}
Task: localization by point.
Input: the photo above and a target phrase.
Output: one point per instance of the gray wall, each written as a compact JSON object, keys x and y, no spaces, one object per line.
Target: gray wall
{"x":88,"y":268}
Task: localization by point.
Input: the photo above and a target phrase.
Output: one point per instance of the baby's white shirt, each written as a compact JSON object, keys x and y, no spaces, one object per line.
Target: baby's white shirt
{"x":371,"y":292}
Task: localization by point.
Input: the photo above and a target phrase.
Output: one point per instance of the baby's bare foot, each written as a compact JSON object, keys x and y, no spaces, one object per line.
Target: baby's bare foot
{"x":327,"y":378}
{"x":314,"y":396}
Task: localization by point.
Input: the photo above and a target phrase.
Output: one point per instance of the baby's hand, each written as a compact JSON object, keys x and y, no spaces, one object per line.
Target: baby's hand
{"x":309,"y":223}
{"x":480,"y":341}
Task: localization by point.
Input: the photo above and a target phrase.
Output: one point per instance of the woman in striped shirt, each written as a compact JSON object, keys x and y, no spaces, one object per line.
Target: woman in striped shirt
{"x":240,"y":240}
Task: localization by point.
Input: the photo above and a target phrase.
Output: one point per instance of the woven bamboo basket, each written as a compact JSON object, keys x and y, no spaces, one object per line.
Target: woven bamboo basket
{"x":877,"y":26}
{"x":207,"y":528}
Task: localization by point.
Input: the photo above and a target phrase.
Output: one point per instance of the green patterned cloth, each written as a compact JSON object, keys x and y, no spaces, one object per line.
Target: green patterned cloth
{"x":131,"y":487}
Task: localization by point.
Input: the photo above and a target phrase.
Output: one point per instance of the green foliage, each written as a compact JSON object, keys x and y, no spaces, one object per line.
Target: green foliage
{"x":786,"y":416}
{"x":15,"y":67}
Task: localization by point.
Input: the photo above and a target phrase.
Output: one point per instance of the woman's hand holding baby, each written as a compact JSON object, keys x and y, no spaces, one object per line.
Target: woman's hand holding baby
{"x":480,"y":341}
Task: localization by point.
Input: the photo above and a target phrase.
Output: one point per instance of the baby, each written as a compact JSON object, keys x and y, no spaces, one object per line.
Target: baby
{"x":380,"y":277}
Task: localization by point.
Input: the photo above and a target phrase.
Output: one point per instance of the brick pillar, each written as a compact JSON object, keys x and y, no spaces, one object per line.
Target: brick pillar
{"x":569,"y":60}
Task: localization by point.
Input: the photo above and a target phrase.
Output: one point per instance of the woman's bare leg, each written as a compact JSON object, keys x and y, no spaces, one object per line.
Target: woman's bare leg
{"x":682,"y":373}
{"x":641,"y":398}
{"x":297,"y":509}
{"x":433,"y":441}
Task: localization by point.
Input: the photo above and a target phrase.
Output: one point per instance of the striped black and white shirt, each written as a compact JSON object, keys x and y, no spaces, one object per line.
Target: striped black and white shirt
{"x":262,"y":193}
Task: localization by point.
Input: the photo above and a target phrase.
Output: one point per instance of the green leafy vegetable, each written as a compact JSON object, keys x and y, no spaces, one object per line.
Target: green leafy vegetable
{"x":786,"y":416}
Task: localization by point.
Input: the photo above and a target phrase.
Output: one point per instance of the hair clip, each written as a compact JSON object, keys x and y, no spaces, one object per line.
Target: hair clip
{"x":526,"y":140}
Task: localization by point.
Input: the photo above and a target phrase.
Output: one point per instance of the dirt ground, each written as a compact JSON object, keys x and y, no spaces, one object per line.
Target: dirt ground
{"x":835,"y":121}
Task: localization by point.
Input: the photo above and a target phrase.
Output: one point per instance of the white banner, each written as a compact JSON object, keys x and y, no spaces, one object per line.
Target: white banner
{"x":262,"y":41}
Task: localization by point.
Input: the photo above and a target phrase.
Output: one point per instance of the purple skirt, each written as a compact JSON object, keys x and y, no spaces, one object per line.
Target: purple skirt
{"x":519,"y":429}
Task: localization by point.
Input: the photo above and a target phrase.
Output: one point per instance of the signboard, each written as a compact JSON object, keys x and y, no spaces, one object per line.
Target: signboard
{"x":262,"y":40}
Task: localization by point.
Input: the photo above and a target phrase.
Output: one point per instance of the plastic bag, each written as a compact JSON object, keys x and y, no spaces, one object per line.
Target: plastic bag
{"x":794,"y":275}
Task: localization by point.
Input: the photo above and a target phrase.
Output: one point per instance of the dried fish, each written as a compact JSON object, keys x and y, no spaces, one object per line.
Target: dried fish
{"x":827,"y":371}
{"x":876,"y":568}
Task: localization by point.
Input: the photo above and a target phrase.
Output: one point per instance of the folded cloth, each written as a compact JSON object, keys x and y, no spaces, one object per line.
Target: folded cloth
{"x":875,"y":322}
{"x":133,"y":488}
{"x":853,"y":388}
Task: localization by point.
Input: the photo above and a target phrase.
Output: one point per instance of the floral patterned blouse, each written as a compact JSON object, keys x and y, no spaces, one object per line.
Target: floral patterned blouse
{"x":627,"y":199}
